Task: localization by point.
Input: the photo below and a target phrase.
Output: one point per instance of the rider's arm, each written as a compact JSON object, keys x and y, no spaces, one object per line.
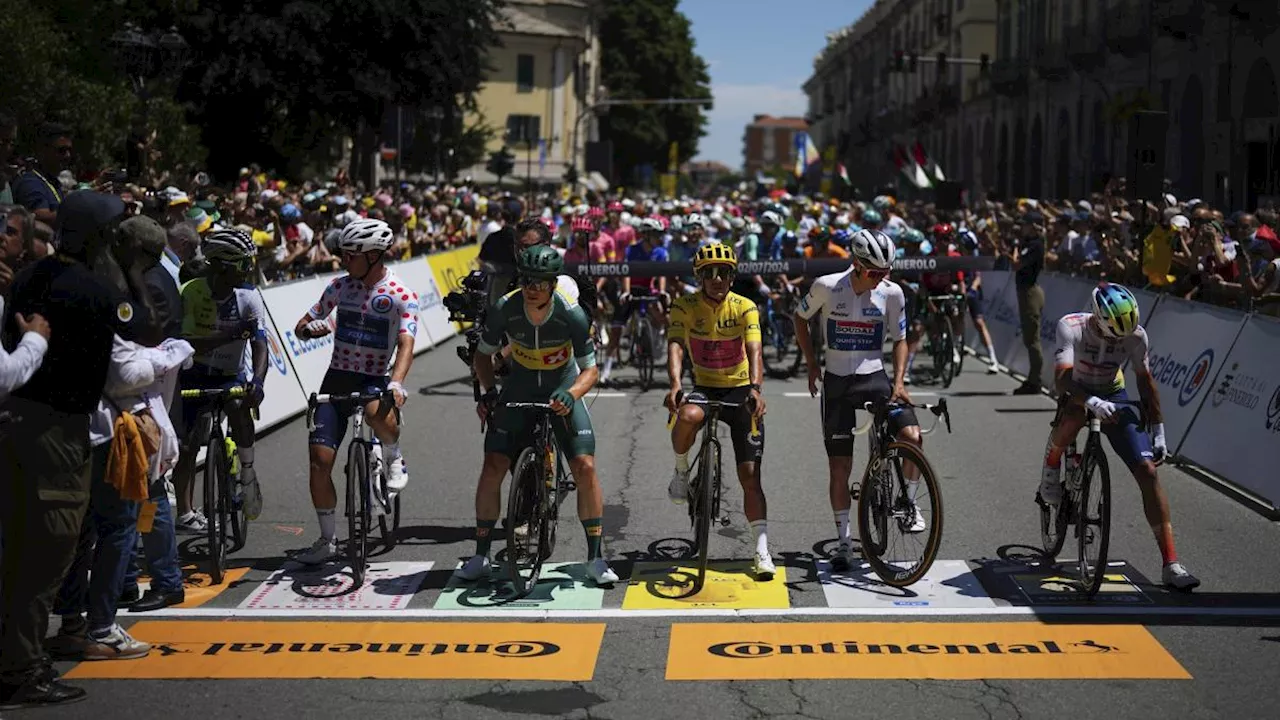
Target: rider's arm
{"x":584,"y":353}
{"x":320,"y":311}
{"x":895,"y":323}
{"x":405,"y":338}
{"x":677,"y":332}
{"x":811,"y":305}
{"x":1064,"y":357}
{"x":1147,"y":389}
{"x":755,"y":346}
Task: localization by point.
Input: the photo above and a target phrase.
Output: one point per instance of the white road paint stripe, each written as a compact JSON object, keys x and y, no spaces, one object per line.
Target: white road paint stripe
{"x":608,"y":395}
{"x":427,"y":613}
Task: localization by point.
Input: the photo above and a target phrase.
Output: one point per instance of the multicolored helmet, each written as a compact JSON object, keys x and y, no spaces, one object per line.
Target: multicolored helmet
{"x":1116,"y":309}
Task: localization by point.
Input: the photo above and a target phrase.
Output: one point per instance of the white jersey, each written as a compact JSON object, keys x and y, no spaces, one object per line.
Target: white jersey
{"x":370,"y":321}
{"x":854,"y":326}
{"x":1095,"y":360}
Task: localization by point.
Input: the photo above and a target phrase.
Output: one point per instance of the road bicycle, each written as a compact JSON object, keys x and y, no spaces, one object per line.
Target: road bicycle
{"x":705,"y":483}
{"x":539,"y":483}
{"x":944,"y":346}
{"x":881,"y":511}
{"x":781,"y":355}
{"x":644,"y":336}
{"x":366,"y":479}
{"x":227,"y":529}
{"x":1085,"y":504}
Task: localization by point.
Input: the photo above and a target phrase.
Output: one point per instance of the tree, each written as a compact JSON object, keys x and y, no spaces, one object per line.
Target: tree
{"x":648,"y":52}
{"x":501,"y":163}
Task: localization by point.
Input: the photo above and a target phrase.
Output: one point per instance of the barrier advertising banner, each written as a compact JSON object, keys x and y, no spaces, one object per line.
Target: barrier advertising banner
{"x":993,"y":282}
{"x":1062,"y":295}
{"x":282,"y":393}
{"x":1237,"y":433}
{"x":1001,"y":311}
{"x":1189,"y":342}
{"x":433,"y":319}
{"x":287,"y":303}
{"x":450,"y":267}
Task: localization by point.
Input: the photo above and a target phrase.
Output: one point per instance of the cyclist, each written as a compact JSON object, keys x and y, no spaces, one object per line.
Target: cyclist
{"x":546,"y":331}
{"x":1090,"y":349}
{"x":720,"y":330}
{"x":938,"y":283}
{"x":648,"y":249}
{"x":823,"y":246}
{"x":224,"y":320}
{"x":859,"y":307}
{"x":377,"y":321}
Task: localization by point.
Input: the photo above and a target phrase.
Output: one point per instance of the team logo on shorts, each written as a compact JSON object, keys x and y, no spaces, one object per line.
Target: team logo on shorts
{"x":381,"y":303}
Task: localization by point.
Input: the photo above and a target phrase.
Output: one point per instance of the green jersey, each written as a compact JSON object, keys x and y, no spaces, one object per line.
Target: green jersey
{"x":540,"y":354}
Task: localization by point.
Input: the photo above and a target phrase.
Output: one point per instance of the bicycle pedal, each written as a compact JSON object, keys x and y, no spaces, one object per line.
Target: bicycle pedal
{"x":568,"y":486}
{"x":724,"y":521}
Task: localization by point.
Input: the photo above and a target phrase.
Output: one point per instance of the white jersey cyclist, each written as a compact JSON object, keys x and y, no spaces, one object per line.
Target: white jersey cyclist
{"x":205,"y":316}
{"x":369,"y":321}
{"x":1095,"y":360}
{"x":854,"y":326}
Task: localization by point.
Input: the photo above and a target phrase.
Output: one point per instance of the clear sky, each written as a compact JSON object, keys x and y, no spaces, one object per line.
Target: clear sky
{"x":760,"y":53}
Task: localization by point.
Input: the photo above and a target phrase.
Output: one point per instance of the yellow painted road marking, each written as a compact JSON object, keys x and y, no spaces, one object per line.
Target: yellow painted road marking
{"x":730,"y":585}
{"x":197,"y":586}
{"x":222,"y":650}
{"x":947,"y":651}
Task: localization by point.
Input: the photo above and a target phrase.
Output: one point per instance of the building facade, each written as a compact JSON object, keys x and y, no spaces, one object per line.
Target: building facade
{"x":1050,"y":116}
{"x":768,"y":143}
{"x":545,"y":78}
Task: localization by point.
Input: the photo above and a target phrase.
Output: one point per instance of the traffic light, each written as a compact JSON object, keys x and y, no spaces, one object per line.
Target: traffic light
{"x":899,"y":64}
{"x":501,"y":163}
{"x":942,"y":65}
{"x":984,"y":64}
{"x":911,"y":62}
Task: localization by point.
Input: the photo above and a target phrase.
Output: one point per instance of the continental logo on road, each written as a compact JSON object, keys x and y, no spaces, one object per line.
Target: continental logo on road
{"x":954,"y":651}
{"x":222,"y":650}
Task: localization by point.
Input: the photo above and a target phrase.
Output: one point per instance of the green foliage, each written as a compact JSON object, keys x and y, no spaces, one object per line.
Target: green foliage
{"x":647,"y":51}
{"x":501,"y":163}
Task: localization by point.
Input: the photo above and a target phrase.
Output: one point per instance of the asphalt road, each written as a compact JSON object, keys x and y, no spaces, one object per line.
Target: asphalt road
{"x":1115,"y":656}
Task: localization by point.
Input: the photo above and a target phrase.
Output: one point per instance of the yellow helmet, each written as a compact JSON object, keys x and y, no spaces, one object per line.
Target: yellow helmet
{"x":714,"y":253}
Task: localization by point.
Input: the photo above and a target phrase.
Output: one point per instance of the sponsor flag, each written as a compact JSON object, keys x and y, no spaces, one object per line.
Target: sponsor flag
{"x":909,"y":168}
{"x":844,"y":173}
{"x":806,"y":153}
{"x":931,"y":168}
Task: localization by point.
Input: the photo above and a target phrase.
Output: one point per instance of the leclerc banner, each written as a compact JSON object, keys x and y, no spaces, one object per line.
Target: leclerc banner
{"x":1237,"y":433}
{"x":1189,"y":342}
{"x":282,"y":393}
{"x":1062,"y":295}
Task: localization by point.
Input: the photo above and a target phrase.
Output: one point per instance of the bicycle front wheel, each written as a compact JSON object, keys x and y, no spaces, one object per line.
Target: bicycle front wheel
{"x":944,"y":357}
{"x":358,"y":511}
{"x":1093,"y":517}
{"x":644,"y":355}
{"x":238,"y":517}
{"x":215,"y":506}
{"x":525,"y":522}
{"x":899,"y":517}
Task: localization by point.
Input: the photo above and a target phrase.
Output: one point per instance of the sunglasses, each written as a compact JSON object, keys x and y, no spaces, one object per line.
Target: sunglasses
{"x":717,"y":272}
{"x":873,"y":273}
{"x":536,"y":284}
{"x":241,"y":266}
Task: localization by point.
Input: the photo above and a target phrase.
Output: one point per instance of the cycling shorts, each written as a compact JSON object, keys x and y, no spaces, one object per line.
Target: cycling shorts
{"x":842,"y":397}
{"x":977,"y":306}
{"x":331,"y":418}
{"x":511,"y":431}
{"x":1125,"y":432}
{"x":200,"y":377}
{"x":746,"y":432}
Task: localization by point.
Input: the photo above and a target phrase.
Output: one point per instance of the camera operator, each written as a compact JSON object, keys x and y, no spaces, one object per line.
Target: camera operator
{"x":499,"y":250}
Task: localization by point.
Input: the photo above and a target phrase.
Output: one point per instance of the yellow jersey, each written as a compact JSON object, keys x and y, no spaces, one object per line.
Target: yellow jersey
{"x":715,"y":337}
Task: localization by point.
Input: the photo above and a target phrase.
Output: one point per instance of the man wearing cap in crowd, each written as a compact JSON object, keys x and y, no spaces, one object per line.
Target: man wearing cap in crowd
{"x":1162,"y":243}
{"x":1027,"y":259}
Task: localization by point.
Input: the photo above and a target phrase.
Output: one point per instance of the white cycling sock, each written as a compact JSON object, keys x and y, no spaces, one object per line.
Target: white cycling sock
{"x":991,"y":351}
{"x":682,"y":462}
{"x":390,"y":451}
{"x":608,"y":368}
{"x":843,"y":528}
{"x":761,"y":529}
{"x":328,"y":523}
{"x":911,"y":360}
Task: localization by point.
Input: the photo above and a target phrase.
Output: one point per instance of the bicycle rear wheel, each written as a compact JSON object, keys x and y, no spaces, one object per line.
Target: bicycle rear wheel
{"x":644,"y":355}
{"x":358,"y":514}
{"x":525,"y":498}
{"x":944,"y":356}
{"x":390,"y":528}
{"x":215,"y":510}
{"x":1093,"y":517}
{"x":702,"y":506}
{"x":888,"y":505}
{"x":780,"y":349}
{"x":238,"y":516}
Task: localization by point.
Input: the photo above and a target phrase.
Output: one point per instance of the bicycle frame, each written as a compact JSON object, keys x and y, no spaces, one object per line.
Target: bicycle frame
{"x":545,"y":498}
{"x":705,"y":507}
{"x":220,"y":508}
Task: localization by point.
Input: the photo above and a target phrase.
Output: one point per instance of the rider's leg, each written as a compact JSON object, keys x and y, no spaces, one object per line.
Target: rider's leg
{"x":688,"y":419}
{"x":489,"y":498}
{"x":1069,"y":421}
{"x":240,"y":420}
{"x":590,"y":502}
{"x":324,"y":498}
{"x":747,"y":434}
{"x":1133,"y":446}
{"x":385,"y":423}
{"x":838,"y":421}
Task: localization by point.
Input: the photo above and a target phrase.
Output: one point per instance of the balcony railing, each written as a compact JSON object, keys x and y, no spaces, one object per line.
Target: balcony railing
{"x":1052,"y":62}
{"x":1084,"y":48}
{"x":1127,"y":30}
{"x":1009,"y":76}
{"x":1180,"y":19}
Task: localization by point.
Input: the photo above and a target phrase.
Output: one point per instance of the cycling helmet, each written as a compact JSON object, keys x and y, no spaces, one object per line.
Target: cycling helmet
{"x":872,"y":218}
{"x":583,"y":224}
{"x":944,"y":231}
{"x":697,"y":219}
{"x":616,"y":206}
{"x":364,"y":235}
{"x":1116,"y":310}
{"x":841,"y":237}
{"x":818,"y":233}
{"x":737,"y":223}
{"x":596,"y":213}
{"x":714,"y":253}
{"x":540,"y":262}
{"x":882,"y":203}
{"x":228,"y":245}
{"x":676,"y":224}
{"x":650,"y":224}
{"x":770,"y":218}
{"x":873,"y":248}
{"x":913,"y":235}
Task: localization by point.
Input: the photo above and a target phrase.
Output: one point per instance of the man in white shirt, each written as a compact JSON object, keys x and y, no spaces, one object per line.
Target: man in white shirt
{"x":16,"y":368}
{"x":492,"y":222}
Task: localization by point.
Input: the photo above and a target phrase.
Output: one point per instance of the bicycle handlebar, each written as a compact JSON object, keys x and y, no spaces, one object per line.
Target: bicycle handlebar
{"x":233,"y":392}
{"x":356,"y":398}
{"x":940,"y":412}
{"x":530,"y":406}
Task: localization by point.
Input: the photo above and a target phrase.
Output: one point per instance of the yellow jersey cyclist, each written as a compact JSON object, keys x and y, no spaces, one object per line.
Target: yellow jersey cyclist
{"x":554,"y":362}
{"x":720,"y":332}
{"x":1090,"y":349}
{"x":224,"y":319}
{"x":859,"y":308}
{"x":376,"y":323}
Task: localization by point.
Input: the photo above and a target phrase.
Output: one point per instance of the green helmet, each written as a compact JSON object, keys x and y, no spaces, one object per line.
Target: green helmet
{"x":539,"y":261}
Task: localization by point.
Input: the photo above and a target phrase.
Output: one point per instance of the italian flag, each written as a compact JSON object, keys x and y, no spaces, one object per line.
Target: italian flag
{"x":844,"y":174}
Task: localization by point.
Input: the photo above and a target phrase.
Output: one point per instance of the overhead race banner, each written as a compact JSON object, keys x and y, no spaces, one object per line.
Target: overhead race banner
{"x":1237,"y":432}
{"x":1189,"y":342}
{"x":824,"y":266}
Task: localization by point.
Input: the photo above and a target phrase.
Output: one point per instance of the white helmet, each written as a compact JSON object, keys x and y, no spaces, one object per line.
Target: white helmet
{"x":228,"y":245}
{"x":771,"y":218}
{"x":651,"y":225}
{"x":737,"y":223}
{"x":366,"y":234}
{"x":697,"y":219}
{"x":676,"y":223}
{"x":344,"y":219}
{"x":873,"y":248}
